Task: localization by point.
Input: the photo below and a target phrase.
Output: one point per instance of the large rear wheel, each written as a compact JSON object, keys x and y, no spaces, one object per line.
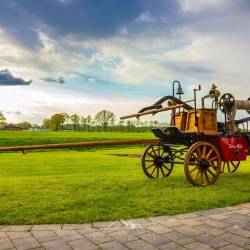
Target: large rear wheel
{"x":157,"y":161}
{"x":202,"y":164}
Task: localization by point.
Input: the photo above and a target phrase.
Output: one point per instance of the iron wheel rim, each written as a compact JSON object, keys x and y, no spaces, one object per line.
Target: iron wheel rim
{"x":202,"y":164}
{"x":155,"y":162}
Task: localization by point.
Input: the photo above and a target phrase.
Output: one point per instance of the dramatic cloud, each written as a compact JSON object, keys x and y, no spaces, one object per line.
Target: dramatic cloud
{"x":7,"y":79}
{"x":130,"y":49}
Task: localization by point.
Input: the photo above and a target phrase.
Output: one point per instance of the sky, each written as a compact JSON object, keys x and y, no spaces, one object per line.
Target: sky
{"x":118,"y":55}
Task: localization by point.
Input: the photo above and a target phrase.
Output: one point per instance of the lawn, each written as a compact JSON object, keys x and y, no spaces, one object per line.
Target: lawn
{"x":11,"y":138}
{"x":83,"y":186}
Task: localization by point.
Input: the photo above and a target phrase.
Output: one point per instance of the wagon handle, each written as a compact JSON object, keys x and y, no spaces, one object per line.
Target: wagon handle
{"x":154,"y":111}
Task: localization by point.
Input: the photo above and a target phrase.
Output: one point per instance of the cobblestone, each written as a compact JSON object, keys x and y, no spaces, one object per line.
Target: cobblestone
{"x":235,"y":239}
{"x":220,"y":228}
{"x":5,"y":244}
{"x":179,"y":238}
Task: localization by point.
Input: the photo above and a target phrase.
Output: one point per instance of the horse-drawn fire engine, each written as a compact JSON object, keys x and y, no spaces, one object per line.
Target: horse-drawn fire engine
{"x":196,"y":139}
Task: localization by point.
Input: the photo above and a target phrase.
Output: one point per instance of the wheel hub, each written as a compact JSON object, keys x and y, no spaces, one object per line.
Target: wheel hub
{"x":204,"y":164}
{"x":158,"y":161}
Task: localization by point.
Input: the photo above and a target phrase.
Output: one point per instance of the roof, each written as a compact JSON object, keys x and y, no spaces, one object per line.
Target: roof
{"x":12,"y":127}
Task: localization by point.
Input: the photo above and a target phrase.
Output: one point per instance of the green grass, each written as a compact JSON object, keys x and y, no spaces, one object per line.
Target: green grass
{"x":11,"y":138}
{"x":85,"y":186}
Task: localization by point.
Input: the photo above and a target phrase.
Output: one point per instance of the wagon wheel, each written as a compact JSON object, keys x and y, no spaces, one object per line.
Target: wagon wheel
{"x":230,"y":166}
{"x":202,"y":164}
{"x":157,"y":161}
{"x":227,"y":103}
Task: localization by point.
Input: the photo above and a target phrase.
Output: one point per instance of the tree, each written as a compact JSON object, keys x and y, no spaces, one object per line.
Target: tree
{"x":67,"y":120}
{"x":2,"y":120}
{"x":63,"y":119}
{"x":105,"y":118}
{"x":2,"y":117}
{"x":88,"y":121}
{"x":76,"y":120}
{"x":83,"y":122}
{"x":46,"y":123}
{"x":25,"y":125}
{"x":55,"y":122}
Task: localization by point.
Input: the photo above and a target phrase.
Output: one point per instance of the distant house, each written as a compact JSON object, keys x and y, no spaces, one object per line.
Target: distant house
{"x":12,"y":127}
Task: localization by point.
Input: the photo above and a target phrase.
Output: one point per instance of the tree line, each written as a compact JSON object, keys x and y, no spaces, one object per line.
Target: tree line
{"x":24,"y":125}
{"x":104,"y":120}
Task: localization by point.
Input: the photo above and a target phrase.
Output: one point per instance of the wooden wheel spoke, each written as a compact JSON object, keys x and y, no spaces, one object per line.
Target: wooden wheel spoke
{"x":148,"y":160}
{"x":150,"y":166}
{"x":231,"y":166}
{"x":152,"y":156}
{"x":153,"y":171}
{"x":194,"y":164}
{"x":206,"y":175}
{"x":162,"y":152}
{"x":198,"y":151}
{"x":162,"y":171}
{"x":154,"y":151}
{"x":195,"y":156}
{"x":201,"y":177}
{"x":204,"y":150}
{"x":157,"y":172}
{"x":209,"y":154}
{"x":163,"y":165}
{"x":224,"y":163}
{"x":213,"y":159}
{"x":198,"y":172}
{"x":213,"y":166}
{"x":191,"y":171}
{"x":194,"y":159}
{"x":159,"y":151}
{"x":211,"y":172}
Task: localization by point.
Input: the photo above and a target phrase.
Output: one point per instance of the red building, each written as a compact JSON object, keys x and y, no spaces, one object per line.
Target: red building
{"x":12,"y":127}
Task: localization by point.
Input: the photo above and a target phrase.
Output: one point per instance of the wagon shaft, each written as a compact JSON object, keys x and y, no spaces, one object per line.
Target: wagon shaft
{"x":79,"y":145}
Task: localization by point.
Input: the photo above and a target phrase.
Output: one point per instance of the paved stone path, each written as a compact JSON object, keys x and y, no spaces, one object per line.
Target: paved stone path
{"x":221,"y":228}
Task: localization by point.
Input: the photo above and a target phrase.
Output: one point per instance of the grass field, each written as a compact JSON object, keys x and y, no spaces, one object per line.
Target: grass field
{"x":9,"y":138}
{"x":83,"y":186}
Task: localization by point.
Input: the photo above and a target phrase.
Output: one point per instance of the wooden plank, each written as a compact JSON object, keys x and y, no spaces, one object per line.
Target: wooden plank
{"x":79,"y":144}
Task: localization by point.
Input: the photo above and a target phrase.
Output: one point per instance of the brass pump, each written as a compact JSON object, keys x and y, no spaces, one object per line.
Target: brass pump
{"x":214,"y":94}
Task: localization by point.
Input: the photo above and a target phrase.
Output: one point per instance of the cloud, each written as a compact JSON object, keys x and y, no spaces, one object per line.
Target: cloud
{"x":40,"y":102}
{"x":197,"y":5}
{"x":85,"y":18}
{"x":145,"y":17}
{"x":18,"y":112}
{"x":51,"y":79}
{"x":190,"y":41}
{"x":91,"y":80}
{"x":7,"y":79}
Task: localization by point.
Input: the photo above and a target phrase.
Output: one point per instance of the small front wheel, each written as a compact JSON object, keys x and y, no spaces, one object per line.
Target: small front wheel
{"x":157,"y":161}
{"x":202,"y":164}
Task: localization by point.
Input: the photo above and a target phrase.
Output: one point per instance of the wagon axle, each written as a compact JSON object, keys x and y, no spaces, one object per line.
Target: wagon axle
{"x":204,"y":164}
